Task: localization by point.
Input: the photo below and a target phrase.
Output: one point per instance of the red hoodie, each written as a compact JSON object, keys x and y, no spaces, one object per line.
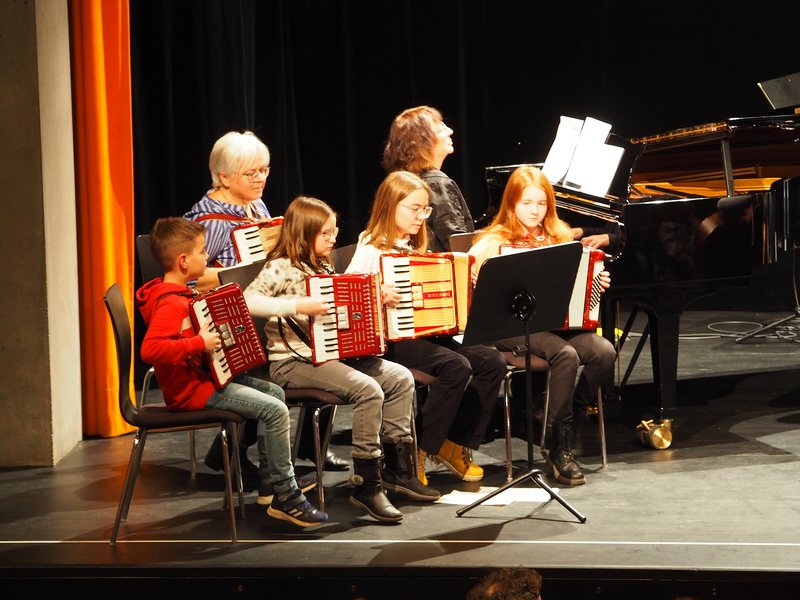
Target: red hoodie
{"x":170,"y":341}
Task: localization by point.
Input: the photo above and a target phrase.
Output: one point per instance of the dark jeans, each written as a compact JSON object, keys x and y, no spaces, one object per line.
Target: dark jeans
{"x":461,"y":401}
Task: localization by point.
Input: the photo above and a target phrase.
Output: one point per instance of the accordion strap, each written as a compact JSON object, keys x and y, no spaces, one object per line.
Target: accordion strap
{"x":223,"y":217}
{"x":298,"y":332}
{"x":193,"y":360}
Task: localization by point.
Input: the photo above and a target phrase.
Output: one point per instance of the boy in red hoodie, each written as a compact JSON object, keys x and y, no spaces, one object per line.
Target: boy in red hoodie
{"x":173,"y":348}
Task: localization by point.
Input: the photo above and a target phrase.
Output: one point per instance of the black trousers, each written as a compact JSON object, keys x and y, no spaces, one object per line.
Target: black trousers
{"x":461,"y":401}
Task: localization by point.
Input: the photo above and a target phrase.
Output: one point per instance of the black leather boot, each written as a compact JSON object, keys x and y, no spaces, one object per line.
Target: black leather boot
{"x":368,"y":493}
{"x":398,"y":472}
{"x":560,"y":459}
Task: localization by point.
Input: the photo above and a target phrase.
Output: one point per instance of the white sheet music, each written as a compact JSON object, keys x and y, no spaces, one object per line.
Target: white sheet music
{"x":602,"y":170}
{"x":560,"y":155}
{"x":580,"y":158}
{"x":593,"y":137}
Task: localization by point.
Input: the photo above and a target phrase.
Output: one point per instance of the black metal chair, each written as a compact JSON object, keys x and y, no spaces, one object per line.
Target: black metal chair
{"x":341,"y":257}
{"x":516,"y":364}
{"x":156,"y":418}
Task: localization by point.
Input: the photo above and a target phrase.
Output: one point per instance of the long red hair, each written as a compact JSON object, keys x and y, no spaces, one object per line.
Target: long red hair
{"x":506,"y":223}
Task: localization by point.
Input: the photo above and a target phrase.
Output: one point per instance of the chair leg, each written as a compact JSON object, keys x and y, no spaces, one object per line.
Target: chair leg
{"x":228,"y":482}
{"x":137,"y":465}
{"x":601,"y":420}
{"x":131,"y":474}
{"x":238,"y":432}
{"x":298,"y":433}
{"x":192,"y":463}
{"x":320,"y":457}
{"x":545,"y":415}
{"x":507,"y":415}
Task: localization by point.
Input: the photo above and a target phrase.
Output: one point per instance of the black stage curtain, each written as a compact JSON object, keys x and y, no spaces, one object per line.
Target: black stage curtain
{"x":321,"y":81}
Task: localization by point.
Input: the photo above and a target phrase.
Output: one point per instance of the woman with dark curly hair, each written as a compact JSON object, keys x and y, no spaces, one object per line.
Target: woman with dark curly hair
{"x":419,"y":141}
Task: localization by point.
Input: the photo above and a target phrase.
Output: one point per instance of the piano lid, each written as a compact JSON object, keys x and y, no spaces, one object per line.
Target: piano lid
{"x":737,"y":156}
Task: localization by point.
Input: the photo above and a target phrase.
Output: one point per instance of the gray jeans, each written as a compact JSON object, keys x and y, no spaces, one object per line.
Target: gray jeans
{"x":381,"y":392}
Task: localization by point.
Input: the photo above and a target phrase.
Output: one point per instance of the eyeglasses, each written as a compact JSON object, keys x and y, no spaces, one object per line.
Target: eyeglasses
{"x":329,"y":234}
{"x":253,"y":175}
{"x":421,"y":212}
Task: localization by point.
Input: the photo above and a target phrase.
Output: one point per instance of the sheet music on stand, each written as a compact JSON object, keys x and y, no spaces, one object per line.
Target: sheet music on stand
{"x":580,"y":158}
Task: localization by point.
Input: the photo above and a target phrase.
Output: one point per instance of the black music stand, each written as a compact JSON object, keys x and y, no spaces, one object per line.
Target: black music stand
{"x":528,"y":291}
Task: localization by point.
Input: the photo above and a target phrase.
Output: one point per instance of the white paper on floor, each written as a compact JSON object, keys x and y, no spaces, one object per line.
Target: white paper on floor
{"x":537,"y":495}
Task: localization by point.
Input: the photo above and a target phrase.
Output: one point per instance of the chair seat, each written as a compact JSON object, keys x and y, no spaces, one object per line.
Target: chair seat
{"x":154,"y":416}
{"x":518,"y":362}
{"x":422,"y":378}
{"x":312,"y":395}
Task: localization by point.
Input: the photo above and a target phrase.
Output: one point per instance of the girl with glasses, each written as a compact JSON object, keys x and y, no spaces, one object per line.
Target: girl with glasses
{"x":381,"y":391}
{"x":460,"y":403}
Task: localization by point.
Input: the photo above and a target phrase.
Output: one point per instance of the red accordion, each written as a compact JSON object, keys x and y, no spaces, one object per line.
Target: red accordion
{"x":353,"y":326}
{"x":435,"y":291}
{"x":253,"y":241}
{"x":227,"y":311}
{"x":584,"y":304}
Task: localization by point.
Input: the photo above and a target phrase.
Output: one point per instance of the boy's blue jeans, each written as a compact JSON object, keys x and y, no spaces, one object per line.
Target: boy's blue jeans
{"x":264,"y":401}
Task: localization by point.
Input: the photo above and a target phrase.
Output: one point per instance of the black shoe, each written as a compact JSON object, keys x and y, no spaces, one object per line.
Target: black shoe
{"x":397,"y":474}
{"x":565,"y":469}
{"x":299,"y":513}
{"x":332,"y":462}
{"x":560,"y":459}
{"x":214,"y":462}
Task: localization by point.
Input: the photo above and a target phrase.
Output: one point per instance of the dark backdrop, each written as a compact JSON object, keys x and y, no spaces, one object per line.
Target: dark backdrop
{"x":320,"y":82}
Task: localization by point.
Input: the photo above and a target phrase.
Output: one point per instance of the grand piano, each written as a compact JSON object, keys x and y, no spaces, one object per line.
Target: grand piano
{"x":694,"y":210}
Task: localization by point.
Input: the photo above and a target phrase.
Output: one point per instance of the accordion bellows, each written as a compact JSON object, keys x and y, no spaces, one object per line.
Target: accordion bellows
{"x":435,"y":291}
{"x":241,"y":349}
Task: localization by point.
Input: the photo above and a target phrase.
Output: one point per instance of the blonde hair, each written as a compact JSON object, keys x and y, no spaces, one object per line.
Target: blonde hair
{"x":236,"y":152}
{"x":506,"y":223}
{"x":382,"y":227}
{"x":303,"y":220}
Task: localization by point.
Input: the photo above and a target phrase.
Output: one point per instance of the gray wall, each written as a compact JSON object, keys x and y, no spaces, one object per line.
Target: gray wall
{"x":40,"y":381}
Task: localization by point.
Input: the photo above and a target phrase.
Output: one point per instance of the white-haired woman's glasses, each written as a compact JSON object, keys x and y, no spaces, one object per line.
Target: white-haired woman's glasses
{"x":256,"y":173}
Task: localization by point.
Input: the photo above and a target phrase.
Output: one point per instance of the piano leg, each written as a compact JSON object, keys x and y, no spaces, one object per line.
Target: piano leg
{"x":664,"y":331}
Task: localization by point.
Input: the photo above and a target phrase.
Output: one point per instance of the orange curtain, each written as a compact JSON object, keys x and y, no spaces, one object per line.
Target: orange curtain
{"x":104,"y":184}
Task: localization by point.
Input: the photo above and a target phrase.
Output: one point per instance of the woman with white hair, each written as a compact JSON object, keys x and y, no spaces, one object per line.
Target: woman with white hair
{"x":239,"y":166}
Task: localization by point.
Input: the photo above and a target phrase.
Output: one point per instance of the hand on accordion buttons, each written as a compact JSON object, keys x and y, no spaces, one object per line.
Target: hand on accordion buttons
{"x":390,"y":296}
{"x":311,"y":306}
{"x":211,"y":338}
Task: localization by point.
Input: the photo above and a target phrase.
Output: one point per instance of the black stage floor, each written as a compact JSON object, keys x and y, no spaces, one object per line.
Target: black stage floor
{"x":715,"y":515}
